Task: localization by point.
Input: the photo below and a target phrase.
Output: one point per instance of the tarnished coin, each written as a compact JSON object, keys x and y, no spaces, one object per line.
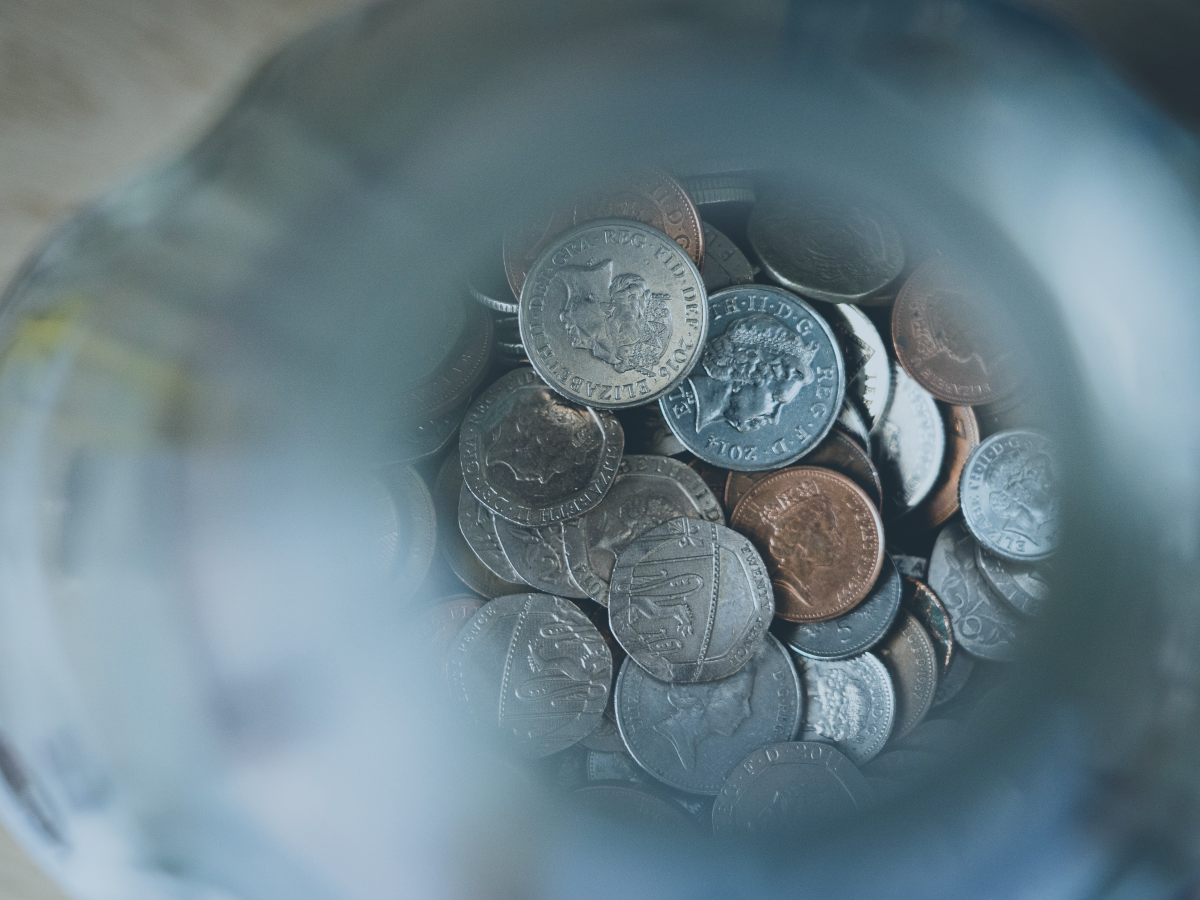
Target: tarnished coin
{"x":628,"y":803}
{"x":1009,"y":495}
{"x":535,"y":669}
{"x":909,"y":446}
{"x":838,"y":452}
{"x":787,"y":786}
{"x":962,"y":437}
{"x":849,"y":703}
{"x":984,"y":625}
{"x":411,"y":529}
{"x":478,"y":527}
{"x":691,"y":736}
{"x":651,"y":198}
{"x":956,"y":676}
{"x":926,"y":608}
{"x":839,"y":253}
{"x":854,"y":423}
{"x":613,"y":314}
{"x":463,"y":365}
{"x":821,"y":538}
{"x":724,"y":264}
{"x":648,"y":491}
{"x":1021,"y":584}
{"x":868,"y":370}
{"x":854,"y":632}
{"x":912,"y":662}
{"x":912,"y":566}
{"x":949,"y":336}
{"x":690,"y":601}
{"x":534,"y":458}
{"x":769,"y":384}
{"x":539,"y":557}
{"x":412,"y":441}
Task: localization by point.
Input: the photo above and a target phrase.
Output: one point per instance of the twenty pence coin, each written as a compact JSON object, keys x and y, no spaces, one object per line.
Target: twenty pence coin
{"x":458,"y":555}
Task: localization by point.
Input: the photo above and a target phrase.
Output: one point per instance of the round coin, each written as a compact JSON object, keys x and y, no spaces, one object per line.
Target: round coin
{"x":539,"y":557}
{"x":962,"y":437}
{"x":923,"y":604}
{"x":1022,"y":585}
{"x":868,"y":370}
{"x":532,"y":667}
{"x":854,"y":424}
{"x":690,"y":601}
{"x":849,"y":703}
{"x":647,"y":491}
{"x":912,"y":662}
{"x":478,"y":527}
{"x":956,"y":676}
{"x":462,"y":367}
{"x":411,"y":441}
{"x":1009,"y":495}
{"x":708,"y":190}
{"x":787,"y":786}
{"x":534,"y":458}
{"x":821,"y":537}
{"x":838,"y":452}
{"x":854,"y":632}
{"x":508,"y":307}
{"x":724,"y":264}
{"x":412,"y":526}
{"x":909,"y":446}
{"x":769,"y":384}
{"x":613,"y":314}
{"x":690,"y":736}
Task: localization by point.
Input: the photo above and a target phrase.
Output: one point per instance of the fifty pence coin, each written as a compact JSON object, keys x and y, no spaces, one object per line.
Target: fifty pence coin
{"x":1021,"y":584}
{"x":923,"y":604}
{"x":854,"y":632}
{"x":724,"y":264}
{"x":848,"y":703}
{"x":690,"y":601}
{"x":533,"y":668}
{"x":868,"y":370}
{"x":539,"y":557}
{"x":911,"y":660}
{"x":613,"y":314}
{"x":769,"y":384}
{"x":648,"y":491}
{"x":962,"y":437}
{"x":478,"y":527}
{"x":1009,"y":495}
{"x":909,"y":446}
{"x":691,"y":736}
{"x":533,"y":457}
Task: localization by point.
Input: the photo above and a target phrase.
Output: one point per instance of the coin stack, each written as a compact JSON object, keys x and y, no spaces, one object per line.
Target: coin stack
{"x":737,"y":509}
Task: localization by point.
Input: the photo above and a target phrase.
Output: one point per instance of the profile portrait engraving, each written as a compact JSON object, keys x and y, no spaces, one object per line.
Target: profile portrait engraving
{"x":542,"y":437}
{"x":695,"y":715}
{"x":803,"y":541}
{"x":630,"y":511}
{"x":1021,"y":494}
{"x":842,"y":706}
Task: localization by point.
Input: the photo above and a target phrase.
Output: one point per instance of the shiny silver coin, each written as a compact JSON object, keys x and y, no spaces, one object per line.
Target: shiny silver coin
{"x":855,"y":424}
{"x":412,"y":441}
{"x":788,"y":786}
{"x":690,"y":601}
{"x":648,"y":491}
{"x":613,"y":314}
{"x":534,"y":458}
{"x":506,"y":306}
{"x":984,"y":625}
{"x":913,"y":566}
{"x":724,"y":264}
{"x":478,"y":527}
{"x":849,"y":703}
{"x":768,"y":387}
{"x":1009,"y":495}
{"x":707,"y":190}
{"x":911,"y":660}
{"x":961,"y":666}
{"x":691,"y":736}
{"x":409,"y":527}
{"x":868,"y":371}
{"x":1022,"y":585}
{"x":827,"y":251}
{"x":534,"y":669}
{"x":539,"y":557}
{"x":856,"y":631}
{"x":910,"y":442}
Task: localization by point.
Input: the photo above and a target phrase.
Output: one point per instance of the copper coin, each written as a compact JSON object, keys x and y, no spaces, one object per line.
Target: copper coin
{"x":950,"y":339}
{"x":962,"y":436}
{"x":653,"y":198}
{"x":838,"y":452}
{"x":821,"y":538}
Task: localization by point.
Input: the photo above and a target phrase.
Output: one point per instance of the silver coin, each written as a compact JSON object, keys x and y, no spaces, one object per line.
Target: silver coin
{"x":849,"y":703}
{"x":478,"y":527}
{"x":616,"y":766}
{"x":534,"y":458}
{"x":827,"y":251}
{"x":532,"y":667}
{"x":409,"y":537}
{"x":787,"y":786}
{"x":605,"y":737}
{"x":1009,"y":495}
{"x":768,"y":387}
{"x":613,"y":314}
{"x":854,"y":632}
{"x":1022,"y":585}
{"x":911,"y":660}
{"x":412,"y":441}
{"x":868,"y":371}
{"x":498,"y":303}
{"x":539,"y":557}
{"x":647,"y":491}
{"x":913,"y":566}
{"x":706,"y":190}
{"x":910,"y":443}
{"x":984,"y":625}
{"x":626,"y":804}
{"x":724,"y":264}
{"x":690,"y":601}
{"x":855,"y":424}
{"x":961,"y":666}
{"x":646,"y":432}
{"x":691,"y":736}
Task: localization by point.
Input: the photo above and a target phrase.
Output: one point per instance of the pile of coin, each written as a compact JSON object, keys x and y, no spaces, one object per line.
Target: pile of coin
{"x":737,"y":508}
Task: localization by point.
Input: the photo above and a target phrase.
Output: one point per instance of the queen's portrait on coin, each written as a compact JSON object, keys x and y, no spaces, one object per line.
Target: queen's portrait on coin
{"x":695,"y":715}
{"x":543,"y":437}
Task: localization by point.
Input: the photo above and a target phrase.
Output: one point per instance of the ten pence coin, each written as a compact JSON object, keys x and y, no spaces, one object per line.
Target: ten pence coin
{"x":962,"y":437}
{"x":849,"y":703}
{"x":912,"y":662}
{"x":822,"y":539}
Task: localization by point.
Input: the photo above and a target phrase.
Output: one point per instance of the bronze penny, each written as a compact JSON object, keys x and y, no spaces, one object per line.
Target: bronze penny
{"x":821,"y":537}
{"x":950,"y":339}
{"x":962,"y":436}
{"x":653,"y":198}
{"x":838,"y":452}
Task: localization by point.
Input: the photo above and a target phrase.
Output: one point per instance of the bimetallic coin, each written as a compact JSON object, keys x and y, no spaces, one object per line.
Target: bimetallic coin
{"x":631,"y":804}
{"x":533,"y":668}
{"x":478,"y":527}
{"x":769,"y":384}
{"x":613,"y":314}
{"x":911,"y":660}
{"x":707,"y":190}
{"x":690,"y":601}
{"x":724,"y":264}
{"x":984,"y":625}
{"x":647,"y":491}
{"x":854,"y":632}
{"x":533,"y":457}
{"x":787,"y":786}
{"x":690,"y":736}
{"x":1022,"y":585}
{"x":849,"y":703}
{"x":956,"y":676}
{"x":458,"y":374}
{"x":923,"y":604}
{"x":909,"y":446}
{"x":1009,"y":495}
{"x":539,"y":557}
{"x":821,"y":537}
{"x":412,"y":530}
{"x":868,"y":370}
{"x":962,"y":437}
{"x":839,"y":253}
